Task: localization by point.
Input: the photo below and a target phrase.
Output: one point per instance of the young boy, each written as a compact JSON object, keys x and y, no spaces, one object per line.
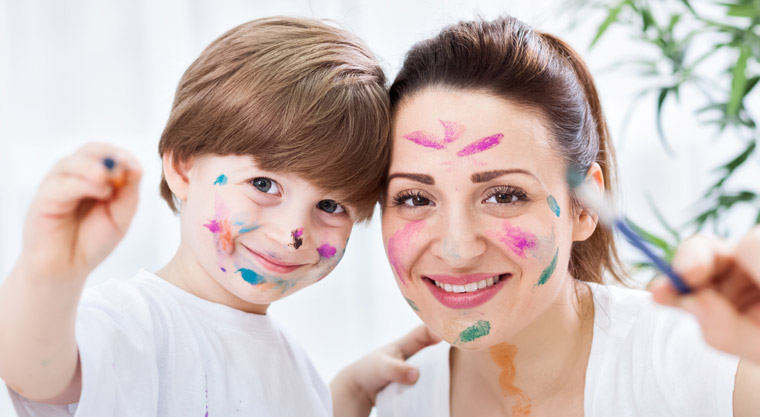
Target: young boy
{"x":276,"y":145}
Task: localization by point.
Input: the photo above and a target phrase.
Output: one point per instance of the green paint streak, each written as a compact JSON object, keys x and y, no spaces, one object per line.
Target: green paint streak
{"x":553,"y":205}
{"x":548,"y":271}
{"x":411,"y":304}
{"x":479,"y":329}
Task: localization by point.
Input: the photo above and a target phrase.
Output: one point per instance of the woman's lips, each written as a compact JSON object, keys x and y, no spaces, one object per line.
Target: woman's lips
{"x":273,"y":264}
{"x":469,"y":299}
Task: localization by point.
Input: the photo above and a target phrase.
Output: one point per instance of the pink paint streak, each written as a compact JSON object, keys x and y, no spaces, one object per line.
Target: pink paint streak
{"x":451,"y":132}
{"x":401,"y":242}
{"x":326,"y":251}
{"x":481,"y":145}
{"x":213,"y":226}
{"x":517,"y":240}
{"x":298,"y":232}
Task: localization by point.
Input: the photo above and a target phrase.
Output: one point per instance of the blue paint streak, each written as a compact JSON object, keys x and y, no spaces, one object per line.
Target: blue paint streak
{"x":238,"y":223}
{"x":248,"y":229}
{"x":553,"y":205}
{"x":221,"y":180}
{"x":250,"y":276}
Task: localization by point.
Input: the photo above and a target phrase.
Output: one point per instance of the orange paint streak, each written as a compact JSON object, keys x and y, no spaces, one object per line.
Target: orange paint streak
{"x":266,"y":286}
{"x":225,"y":235}
{"x":503,"y":355}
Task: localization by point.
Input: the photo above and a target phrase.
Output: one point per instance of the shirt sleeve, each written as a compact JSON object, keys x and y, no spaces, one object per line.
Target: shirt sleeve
{"x":119,"y":375}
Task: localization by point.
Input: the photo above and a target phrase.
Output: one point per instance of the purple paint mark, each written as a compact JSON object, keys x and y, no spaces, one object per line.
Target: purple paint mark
{"x":517,"y":240}
{"x":481,"y":145}
{"x":326,"y":251}
{"x":402,"y":242}
{"x":298,"y":232}
{"x":451,"y":132}
{"x":223,"y":270}
{"x":213,"y":226}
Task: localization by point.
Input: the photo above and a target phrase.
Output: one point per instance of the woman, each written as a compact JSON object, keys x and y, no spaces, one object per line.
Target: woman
{"x":495,"y":255}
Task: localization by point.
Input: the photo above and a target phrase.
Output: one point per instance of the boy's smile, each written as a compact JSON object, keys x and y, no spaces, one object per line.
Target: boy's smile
{"x":250,"y":237}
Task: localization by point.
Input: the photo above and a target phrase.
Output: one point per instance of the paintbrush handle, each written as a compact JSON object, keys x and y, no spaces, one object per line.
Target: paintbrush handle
{"x":660,"y":263}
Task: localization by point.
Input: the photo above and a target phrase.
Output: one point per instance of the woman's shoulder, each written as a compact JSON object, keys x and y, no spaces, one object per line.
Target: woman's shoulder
{"x":429,"y":397}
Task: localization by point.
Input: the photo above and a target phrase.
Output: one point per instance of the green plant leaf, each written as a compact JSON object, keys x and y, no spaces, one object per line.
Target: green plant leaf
{"x":736,"y":162}
{"x":757,"y":219}
{"x":660,"y":101}
{"x":739,"y":81}
{"x":657,"y":241}
{"x":611,"y":18}
{"x":742,"y":10}
{"x":661,"y":219}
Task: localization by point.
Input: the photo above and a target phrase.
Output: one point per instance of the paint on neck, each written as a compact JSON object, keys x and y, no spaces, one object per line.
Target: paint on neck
{"x":547,"y":273}
{"x":503,"y":355}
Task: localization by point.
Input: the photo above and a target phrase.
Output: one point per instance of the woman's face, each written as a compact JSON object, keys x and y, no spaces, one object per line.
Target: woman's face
{"x":477,"y":221}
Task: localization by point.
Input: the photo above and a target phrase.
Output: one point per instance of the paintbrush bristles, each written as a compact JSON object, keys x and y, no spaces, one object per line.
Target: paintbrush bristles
{"x":593,"y":199}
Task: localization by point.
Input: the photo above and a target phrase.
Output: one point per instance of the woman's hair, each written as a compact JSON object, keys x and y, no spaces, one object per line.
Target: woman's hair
{"x":506,"y":58}
{"x":299,"y":96}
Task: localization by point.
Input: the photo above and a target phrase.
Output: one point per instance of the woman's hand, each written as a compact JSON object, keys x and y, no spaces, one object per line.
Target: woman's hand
{"x":725,"y":279}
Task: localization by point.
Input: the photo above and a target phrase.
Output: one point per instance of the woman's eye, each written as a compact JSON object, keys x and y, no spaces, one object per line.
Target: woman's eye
{"x":330,"y":206}
{"x":265,"y":185}
{"x":413,"y":201}
{"x":502,"y":198}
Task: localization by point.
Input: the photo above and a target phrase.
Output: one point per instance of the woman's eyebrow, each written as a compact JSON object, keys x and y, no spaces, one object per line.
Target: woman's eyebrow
{"x":486,"y":176}
{"x":425,"y":179}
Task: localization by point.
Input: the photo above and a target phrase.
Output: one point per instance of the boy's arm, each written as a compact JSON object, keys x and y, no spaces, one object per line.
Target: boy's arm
{"x":355,"y":388}
{"x":81,"y":211}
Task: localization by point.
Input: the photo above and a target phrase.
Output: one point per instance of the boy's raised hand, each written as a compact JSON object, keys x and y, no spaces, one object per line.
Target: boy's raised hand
{"x":725,"y":279}
{"x":355,"y":388}
{"x":80,"y":213}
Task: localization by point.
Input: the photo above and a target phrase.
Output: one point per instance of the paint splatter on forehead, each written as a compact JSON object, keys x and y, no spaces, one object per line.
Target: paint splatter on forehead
{"x":480,"y":145}
{"x":451,"y":132}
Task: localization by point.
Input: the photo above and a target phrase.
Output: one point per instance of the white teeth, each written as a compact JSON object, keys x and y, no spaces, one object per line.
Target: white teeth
{"x":471,"y":287}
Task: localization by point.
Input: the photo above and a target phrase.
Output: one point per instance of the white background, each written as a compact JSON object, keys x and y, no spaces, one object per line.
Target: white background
{"x":79,"y":71}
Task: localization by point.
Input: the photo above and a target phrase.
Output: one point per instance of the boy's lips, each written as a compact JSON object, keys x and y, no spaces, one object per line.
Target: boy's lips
{"x":272,"y":264}
{"x":465,"y":291}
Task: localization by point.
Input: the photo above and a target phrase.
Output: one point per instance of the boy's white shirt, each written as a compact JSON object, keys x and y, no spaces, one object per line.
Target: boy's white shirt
{"x":646,"y":361}
{"x":148,"y":348}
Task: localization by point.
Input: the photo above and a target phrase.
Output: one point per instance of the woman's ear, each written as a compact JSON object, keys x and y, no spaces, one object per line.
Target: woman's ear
{"x":585,"y":220}
{"x":176,"y":175}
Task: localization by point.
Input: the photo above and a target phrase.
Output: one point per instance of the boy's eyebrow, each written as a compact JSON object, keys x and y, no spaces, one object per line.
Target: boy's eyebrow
{"x":425,"y":179}
{"x":486,"y":176}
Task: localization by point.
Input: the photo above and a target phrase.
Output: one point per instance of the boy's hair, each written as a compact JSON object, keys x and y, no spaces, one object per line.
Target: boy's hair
{"x":299,"y":96}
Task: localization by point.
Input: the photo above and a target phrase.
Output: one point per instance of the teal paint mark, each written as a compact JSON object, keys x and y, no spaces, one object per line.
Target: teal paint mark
{"x":221,"y":180}
{"x":238,"y":223}
{"x":250,"y":276}
{"x":548,"y":271}
{"x":477,"y":330}
{"x":248,"y":229}
{"x":411,"y":304}
{"x":553,"y":205}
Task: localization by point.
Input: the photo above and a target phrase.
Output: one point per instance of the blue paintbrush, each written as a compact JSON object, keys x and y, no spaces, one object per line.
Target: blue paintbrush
{"x":591,"y":198}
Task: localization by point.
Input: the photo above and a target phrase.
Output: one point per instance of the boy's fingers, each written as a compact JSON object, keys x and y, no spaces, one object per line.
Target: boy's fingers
{"x":700,"y":259}
{"x":748,"y":254}
{"x":420,"y":337}
{"x":396,"y":370}
{"x":723,"y":326}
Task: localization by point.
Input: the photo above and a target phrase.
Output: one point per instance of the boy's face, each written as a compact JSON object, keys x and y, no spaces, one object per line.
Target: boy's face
{"x":260,"y":235}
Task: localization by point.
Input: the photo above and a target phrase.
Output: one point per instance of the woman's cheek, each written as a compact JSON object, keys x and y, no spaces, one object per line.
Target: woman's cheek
{"x":531,"y":244}
{"x":401,"y":248}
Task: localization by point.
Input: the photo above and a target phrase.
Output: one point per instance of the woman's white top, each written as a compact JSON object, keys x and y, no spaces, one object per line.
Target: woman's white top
{"x":646,"y":360}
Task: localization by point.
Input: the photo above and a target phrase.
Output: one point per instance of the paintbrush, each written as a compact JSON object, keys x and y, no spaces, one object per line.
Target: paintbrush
{"x":591,"y":198}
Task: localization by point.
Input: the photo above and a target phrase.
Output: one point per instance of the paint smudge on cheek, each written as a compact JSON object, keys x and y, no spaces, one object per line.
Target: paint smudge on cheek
{"x":553,"y":205}
{"x":221,"y":180}
{"x":401,"y":243}
{"x":223,"y":231}
{"x":503,"y":355}
{"x":479,"y":329}
{"x":250,"y":276}
{"x":547,"y":273}
{"x":517,"y":240}
{"x":326,"y":251}
{"x":412,"y":304}
{"x":480,"y":145}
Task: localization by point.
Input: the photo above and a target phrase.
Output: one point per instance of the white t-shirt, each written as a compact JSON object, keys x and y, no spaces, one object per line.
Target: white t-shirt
{"x":646,"y":361}
{"x":148,"y":348}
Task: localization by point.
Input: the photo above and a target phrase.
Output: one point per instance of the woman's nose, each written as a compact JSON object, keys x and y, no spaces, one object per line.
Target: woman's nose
{"x":460,"y":243}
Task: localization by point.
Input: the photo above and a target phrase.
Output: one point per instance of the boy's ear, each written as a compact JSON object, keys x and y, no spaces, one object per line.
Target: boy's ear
{"x":177,"y":175}
{"x":586,"y":220}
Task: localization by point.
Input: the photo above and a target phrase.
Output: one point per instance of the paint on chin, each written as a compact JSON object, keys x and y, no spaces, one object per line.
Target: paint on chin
{"x":480,"y":145}
{"x":326,"y":251}
{"x":479,"y":329}
{"x":517,"y":240}
{"x":400,"y":243}
{"x":503,"y":355}
{"x":553,"y":205}
{"x":547,"y":273}
{"x":412,"y":305}
{"x":250,"y":276}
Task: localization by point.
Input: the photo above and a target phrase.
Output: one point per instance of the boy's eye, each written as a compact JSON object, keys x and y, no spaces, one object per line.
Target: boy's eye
{"x":265,"y":185}
{"x":330,"y":206}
